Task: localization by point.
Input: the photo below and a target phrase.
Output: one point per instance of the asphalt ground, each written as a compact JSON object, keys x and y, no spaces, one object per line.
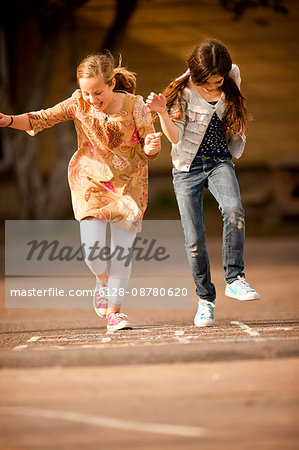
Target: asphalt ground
{"x":65,"y":382}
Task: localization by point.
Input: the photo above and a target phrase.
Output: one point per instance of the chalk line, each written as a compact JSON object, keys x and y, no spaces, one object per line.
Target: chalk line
{"x":245,"y":328}
{"x":89,"y":419}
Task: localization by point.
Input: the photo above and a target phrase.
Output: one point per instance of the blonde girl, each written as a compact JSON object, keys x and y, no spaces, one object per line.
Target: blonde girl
{"x":108,"y":174}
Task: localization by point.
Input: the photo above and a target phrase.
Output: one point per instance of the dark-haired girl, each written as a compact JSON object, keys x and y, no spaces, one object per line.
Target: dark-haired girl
{"x":203,"y":115}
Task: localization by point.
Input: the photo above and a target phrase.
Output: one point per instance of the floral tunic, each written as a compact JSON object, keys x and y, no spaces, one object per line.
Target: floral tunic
{"x":108,"y":174}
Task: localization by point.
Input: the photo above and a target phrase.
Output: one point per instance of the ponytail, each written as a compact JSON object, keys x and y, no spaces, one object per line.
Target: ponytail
{"x":236,"y":114}
{"x":173,"y":94}
{"x":102,"y":65}
{"x":125,"y":80}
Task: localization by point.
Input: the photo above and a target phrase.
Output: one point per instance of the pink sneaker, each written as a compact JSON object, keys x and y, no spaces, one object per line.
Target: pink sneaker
{"x":117,"y":321}
{"x":100,"y":303}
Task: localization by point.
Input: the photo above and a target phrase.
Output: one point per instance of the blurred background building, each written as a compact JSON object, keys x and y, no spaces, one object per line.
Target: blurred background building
{"x":42,"y":41}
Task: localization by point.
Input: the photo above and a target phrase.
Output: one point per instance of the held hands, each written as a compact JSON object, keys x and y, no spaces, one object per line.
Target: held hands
{"x":4,"y":120}
{"x":152,"y":144}
{"x":156,"y":103}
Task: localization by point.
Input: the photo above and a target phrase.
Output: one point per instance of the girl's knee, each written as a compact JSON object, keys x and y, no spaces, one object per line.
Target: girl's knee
{"x":197,"y":248}
{"x":234,"y":215}
{"x":233,"y":210}
{"x":97,"y":266}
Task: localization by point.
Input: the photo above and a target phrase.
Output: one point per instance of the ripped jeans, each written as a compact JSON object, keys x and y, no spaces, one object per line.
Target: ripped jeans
{"x":218,"y":175}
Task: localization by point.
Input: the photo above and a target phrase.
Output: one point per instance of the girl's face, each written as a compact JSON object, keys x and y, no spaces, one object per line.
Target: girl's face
{"x":212,"y":84}
{"x":96,"y":92}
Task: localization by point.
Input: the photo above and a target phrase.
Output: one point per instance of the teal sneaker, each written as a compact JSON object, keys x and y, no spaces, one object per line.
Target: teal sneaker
{"x":205,"y":314}
{"x":241,"y":290}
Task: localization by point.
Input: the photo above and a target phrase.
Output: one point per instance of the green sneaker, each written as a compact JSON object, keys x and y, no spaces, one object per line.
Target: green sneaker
{"x":241,"y":290}
{"x":205,"y":314}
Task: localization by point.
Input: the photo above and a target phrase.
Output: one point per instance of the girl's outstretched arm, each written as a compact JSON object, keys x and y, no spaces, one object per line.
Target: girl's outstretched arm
{"x":20,"y":122}
{"x":157,"y":103}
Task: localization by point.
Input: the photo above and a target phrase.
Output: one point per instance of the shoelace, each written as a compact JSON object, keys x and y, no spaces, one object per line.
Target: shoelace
{"x":117,"y":315}
{"x":100,"y":286}
{"x":206,"y":309}
{"x":101,"y":301}
{"x":244,"y":283}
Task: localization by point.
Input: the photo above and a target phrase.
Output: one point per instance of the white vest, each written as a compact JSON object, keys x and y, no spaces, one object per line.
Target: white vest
{"x":197,"y":114}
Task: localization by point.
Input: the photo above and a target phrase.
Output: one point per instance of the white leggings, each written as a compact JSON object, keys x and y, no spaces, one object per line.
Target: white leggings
{"x":93,"y":232}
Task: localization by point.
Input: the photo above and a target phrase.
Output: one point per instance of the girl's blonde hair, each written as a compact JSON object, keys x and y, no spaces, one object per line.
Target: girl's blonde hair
{"x":102,"y":65}
{"x":207,"y":59}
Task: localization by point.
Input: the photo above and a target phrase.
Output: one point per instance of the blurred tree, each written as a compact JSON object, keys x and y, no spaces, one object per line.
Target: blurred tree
{"x":42,"y":197}
{"x":240,"y":7}
{"x":124,"y":11}
{"x":38,"y":197}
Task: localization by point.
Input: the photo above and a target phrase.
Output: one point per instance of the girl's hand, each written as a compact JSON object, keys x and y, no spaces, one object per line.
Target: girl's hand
{"x":4,"y":120}
{"x":152,"y":144}
{"x":156,"y":103}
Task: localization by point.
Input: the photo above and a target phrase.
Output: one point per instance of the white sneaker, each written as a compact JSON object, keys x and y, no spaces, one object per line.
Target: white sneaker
{"x":205,"y":314}
{"x":241,"y":290}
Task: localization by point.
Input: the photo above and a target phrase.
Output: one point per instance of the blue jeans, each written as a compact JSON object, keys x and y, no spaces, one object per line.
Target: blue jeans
{"x":218,"y":175}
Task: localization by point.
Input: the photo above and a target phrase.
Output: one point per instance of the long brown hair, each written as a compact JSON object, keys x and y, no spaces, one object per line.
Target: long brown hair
{"x":211,"y":58}
{"x":102,"y":65}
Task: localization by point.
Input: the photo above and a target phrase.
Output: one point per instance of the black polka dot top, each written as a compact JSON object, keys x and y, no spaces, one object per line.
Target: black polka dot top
{"x":214,"y":140}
